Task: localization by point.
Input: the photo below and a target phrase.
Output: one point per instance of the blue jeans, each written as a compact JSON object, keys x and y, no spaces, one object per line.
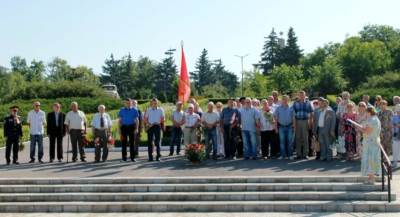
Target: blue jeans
{"x":285,"y":137}
{"x":176,"y":137}
{"x":211,"y":134}
{"x":39,"y":140}
{"x":249,"y":143}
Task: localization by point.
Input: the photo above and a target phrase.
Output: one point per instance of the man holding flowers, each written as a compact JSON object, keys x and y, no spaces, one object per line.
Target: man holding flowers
{"x":229,"y":120}
{"x":154,"y":119}
{"x":101,"y":129}
{"x":210,"y":120}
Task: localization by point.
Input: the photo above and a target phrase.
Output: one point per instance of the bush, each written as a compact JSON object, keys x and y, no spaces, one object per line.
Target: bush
{"x":162,"y":97}
{"x":138,"y":95}
{"x":386,"y":93}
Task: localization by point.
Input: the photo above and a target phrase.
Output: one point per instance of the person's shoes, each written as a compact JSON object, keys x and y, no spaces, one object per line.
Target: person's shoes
{"x":254,"y":158}
{"x":40,"y":161}
{"x":60,"y":160}
{"x":215,"y":158}
{"x":322,"y":159}
{"x":15,"y":162}
{"x":246,"y":158}
{"x":96,"y":161}
{"x":134,"y":160}
{"x":51,"y":161}
{"x":150,"y":160}
{"x":32,"y":161}
{"x":159,"y":160}
{"x":8,"y":163}
{"x":178,"y":153}
{"x":306,"y":157}
{"x":265,"y":158}
{"x":280,"y":158}
{"x":291,"y":158}
{"x":317,"y":158}
{"x":122,"y":160}
{"x":74,"y":160}
{"x":369,"y":182}
{"x":83,"y":160}
{"x":170,"y":154}
{"x":234,"y":158}
{"x":394,"y":165}
{"x":104,"y":161}
{"x":328,"y":160}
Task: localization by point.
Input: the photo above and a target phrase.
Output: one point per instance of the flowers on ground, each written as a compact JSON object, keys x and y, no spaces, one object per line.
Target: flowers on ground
{"x":195,"y":152}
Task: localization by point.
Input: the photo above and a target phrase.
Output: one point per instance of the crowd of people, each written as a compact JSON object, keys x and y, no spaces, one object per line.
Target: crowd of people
{"x":247,"y":127}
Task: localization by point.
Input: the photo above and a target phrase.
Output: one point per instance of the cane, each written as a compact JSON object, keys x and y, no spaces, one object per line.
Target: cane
{"x":67,"y":148}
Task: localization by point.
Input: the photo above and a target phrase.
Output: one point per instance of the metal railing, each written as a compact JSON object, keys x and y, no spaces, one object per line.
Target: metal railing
{"x":386,"y":166}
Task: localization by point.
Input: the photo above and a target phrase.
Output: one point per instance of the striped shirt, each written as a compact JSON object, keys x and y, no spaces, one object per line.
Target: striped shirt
{"x":249,"y":117}
{"x":227,"y":113}
{"x":191,"y":119}
{"x":303,"y":109}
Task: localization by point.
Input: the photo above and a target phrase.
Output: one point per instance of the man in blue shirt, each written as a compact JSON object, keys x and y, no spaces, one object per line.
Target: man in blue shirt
{"x":285,"y":122}
{"x":250,"y":119}
{"x":304,"y":113}
{"x":230,"y":119}
{"x":128,"y":126}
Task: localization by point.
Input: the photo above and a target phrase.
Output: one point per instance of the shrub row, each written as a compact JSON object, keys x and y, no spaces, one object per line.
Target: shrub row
{"x":386,"y":93}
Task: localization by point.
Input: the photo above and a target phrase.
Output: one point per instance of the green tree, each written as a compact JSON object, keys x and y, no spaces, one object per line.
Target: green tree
{"x":286,"y":79}
{"x":271,"y":55}
{"x":203,"y":75}
{"x":111,"y":71}
{"x":216,"y":90}
{"x":166,"y":73}
{"x":138,"y":95}
{"x":37,"y":70}
{"x":291,"y":53}
{"x":256,"y":84}
{"x":162,"y":97}
{"x":226,"y":78}
{"x":59,"y":70}
{"x":362,"y":60}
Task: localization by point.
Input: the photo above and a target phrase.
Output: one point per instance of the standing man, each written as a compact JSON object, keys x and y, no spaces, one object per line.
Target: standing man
{"x":277,"y":101}
{"x":304,"y":112}
{"x":366,"y":100}
{"x":324,"y":126}
{"x":191,"y":123}
{"x":101,"y":128}
{"x":311,"y":132}
{"x":239,"y":144}
{"x":396,"y":101}
{"x":176,"y":130}
{"x":75,"y":123}
{"x":229,"y":120}
{"x":285,"y":126}
{"x":210,"y":119}
{"x":128,"y":117}
{"x":154,"y":118}
{"x":139,"y":134}
{"x":250,"y":119}
{"x":338,"y":101}
{"x":12,"y":134}
{"x":238,"y":104}
{"x":36,"y":120}
{"x":56,"y":132}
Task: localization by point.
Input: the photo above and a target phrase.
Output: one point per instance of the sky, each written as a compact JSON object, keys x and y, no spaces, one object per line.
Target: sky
{"x":86,"y":32}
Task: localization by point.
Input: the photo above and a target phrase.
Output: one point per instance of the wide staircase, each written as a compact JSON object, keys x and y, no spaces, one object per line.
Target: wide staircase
{"x":195,"y":194}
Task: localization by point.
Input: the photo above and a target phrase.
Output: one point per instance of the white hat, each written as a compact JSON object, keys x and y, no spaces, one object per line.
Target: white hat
{"x":397,"y":108}
{"x":190,"y":105}
{"x":178,"y":103}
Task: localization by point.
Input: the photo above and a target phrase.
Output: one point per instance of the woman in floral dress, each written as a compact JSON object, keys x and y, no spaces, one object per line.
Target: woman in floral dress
{"x":371,"y":129}
{"x":349,"y":131}
{"x":385,"y":116}
{"x":360,"y":119}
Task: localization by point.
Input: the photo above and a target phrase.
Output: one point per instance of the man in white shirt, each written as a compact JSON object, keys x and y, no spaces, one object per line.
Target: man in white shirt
{"x":176,"y":130}
{"x":154,"y":119}
{"x":210,"y":120}
{"x":101,"y":129}
{"x":276,"y":101}
{"x":192,"y":121}
{"x":75,"y":123}
{"x":36,"y":120}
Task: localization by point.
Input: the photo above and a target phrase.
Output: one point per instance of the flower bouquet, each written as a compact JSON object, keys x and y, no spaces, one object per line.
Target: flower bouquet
{"x":86,"y":140}
{"x":202,"y":130}
{"x":21,"y":147}
{"x":97,"y":142}
{"x":269,"y":117}
{"x":121,"y":138}
{"x":233,"y":118}
{"x":110,"y":142}
{"x":195,"y":153}
{"x":334,"y":143}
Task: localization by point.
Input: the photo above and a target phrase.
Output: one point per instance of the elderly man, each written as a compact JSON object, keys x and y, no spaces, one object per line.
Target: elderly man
{"x":192,"y":121}
{"x":56,"y":132}
{"x":193,"y":101}
{"x":154,"y":119}
{"x":311,"y":131}
{"x":229,"y":120}
{"x":271,"y":104}
{"x":285,"y":122}
{"x":176,"y":130}
{"x":338,"y":101}
{"x":396,"y":101}
{"x":324,"y":126}
{"x":128,"y":127}
{"x":277,"y":101}
{"x":75,"y":123}
{"x":366,"y":100}
{"x":250,"y":119}
{"x":138,"y":135}
{"x":267,"y":130}
{"x":210,"y":119}
{"x":12,"y":134}
{"x":101,"y":128}
{"x":304,"y":112}
{"x":36,"y":120}
{"x":238,"y":104}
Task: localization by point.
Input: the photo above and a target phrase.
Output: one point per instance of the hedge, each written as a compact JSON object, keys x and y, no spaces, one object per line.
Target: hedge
{"x":386,"y":93}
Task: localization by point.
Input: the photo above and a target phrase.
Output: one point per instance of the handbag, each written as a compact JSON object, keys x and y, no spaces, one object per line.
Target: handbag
{"x":341,"y":148}
{"x":315,"y":145}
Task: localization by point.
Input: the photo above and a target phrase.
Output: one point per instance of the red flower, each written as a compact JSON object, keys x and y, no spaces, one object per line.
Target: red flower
{"x":122,"y":138}
{"x":198,"y":119}
{"x":162,"y":121}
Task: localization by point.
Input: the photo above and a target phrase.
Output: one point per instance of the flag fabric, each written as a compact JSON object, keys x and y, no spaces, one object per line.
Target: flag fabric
{"x":184,"y":82}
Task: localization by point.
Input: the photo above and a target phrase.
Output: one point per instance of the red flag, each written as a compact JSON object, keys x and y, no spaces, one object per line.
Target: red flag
{"x":184,"y":82}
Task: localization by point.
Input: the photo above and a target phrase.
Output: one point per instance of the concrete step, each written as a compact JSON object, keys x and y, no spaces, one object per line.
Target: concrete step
{"x":213,"y":206}
{"x":197,"y":196}
{"x":194,"y":180}
{"x":226,"y":187}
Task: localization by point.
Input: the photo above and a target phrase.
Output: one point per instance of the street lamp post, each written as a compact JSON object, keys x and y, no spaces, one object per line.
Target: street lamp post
{"x":169,"y":52}
{"x":241,"y":57}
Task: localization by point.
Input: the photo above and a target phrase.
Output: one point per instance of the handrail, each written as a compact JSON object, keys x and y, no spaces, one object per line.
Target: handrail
{"x":386,"y":165}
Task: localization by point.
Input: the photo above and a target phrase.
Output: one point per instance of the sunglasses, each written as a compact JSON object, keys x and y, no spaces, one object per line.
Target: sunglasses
{"x":219,"y":107}
{"x":15,"y":110}
{"x":37,"y":105}
{"x":361,"y":106}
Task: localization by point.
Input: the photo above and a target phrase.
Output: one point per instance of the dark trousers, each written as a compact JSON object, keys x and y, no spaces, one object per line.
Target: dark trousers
{"x":268,"y":141}
{"x":176,"y":137}
{"x":153,"y":134}
{"x":77,"y":142}
{"x":103,"y":140}
{"x":59,"y":138}
{"x":137,"y":143}
{"x":278,"y":142}
{"x":239,"y":145}
{"x":230,"y":141}
{"x":128,"y":131}
{"x":15,"y":148}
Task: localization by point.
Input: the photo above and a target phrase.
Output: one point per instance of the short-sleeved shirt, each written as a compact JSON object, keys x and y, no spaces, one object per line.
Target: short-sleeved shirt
{"x":395,"y":120}
{"x":227,"y":113}
{"x":302,"y":110}
{"x":177,"y":115}
{"x":249,"y":117}
{"x":285,"y":115}
{"x":266,"y":125}
{"x":36,"y":121}
{"x":75,"y":120}
{"x":342,"y":108}
{"x":191,"y":119}
{"x":210,"y":117}
{"x":128,"y":116}
{"x":96,"y":122}
{"x":154,"y":115}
